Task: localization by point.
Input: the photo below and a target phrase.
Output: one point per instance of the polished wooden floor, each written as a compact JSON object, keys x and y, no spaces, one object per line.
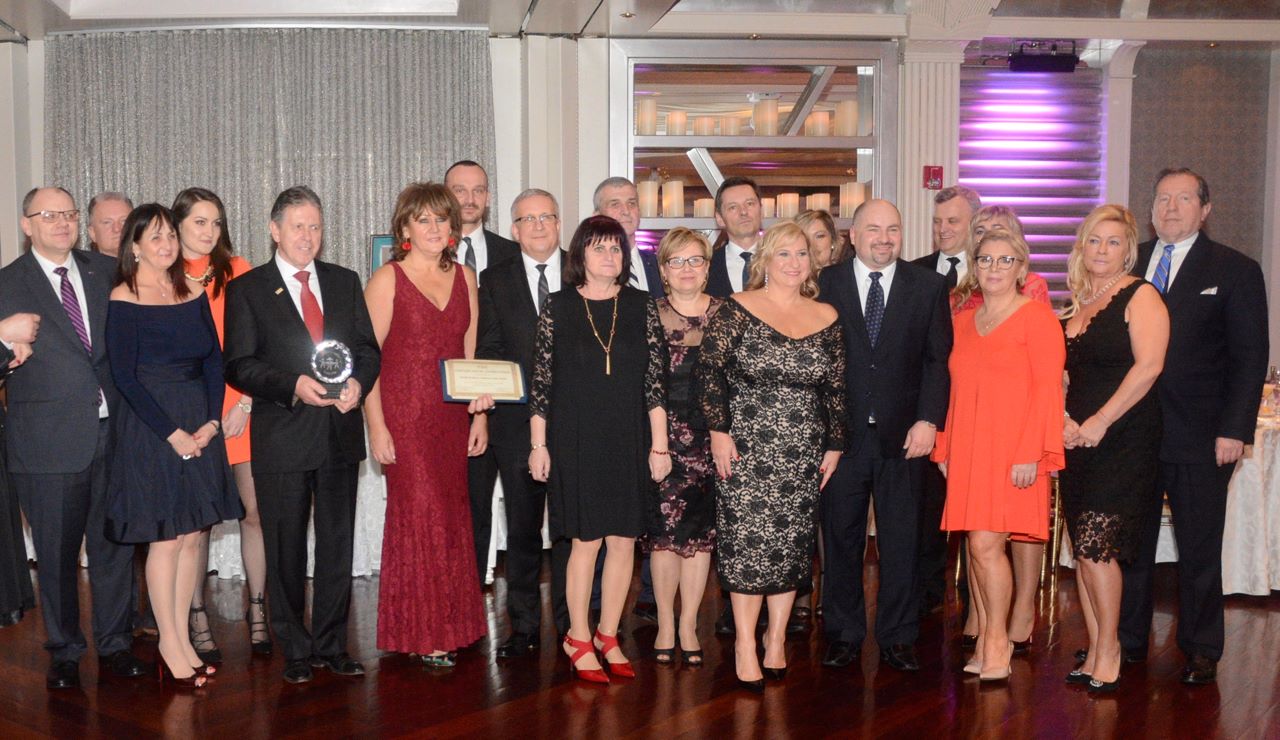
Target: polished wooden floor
{"x":537,"y":697}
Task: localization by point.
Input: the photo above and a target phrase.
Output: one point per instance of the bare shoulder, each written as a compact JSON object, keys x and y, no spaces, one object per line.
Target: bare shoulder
{"x":122,"y":292}
{"x":824,"y":311}
{"x":382,"y":278}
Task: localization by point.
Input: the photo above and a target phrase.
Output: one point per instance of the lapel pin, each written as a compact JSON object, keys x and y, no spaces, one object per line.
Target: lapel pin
{"x":279,"y":291}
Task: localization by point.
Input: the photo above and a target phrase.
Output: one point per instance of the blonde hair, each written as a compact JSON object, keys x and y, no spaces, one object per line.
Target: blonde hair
{"x":775,"y":237}
{"x":678,"y":238}
{"x":838,"y":245}
{"x":1078,"y":278}
{"x":968,"y":285}
{"x":1020,"y":249}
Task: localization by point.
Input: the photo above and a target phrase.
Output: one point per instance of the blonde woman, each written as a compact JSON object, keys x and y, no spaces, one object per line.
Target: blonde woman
{"x":825,"y":241}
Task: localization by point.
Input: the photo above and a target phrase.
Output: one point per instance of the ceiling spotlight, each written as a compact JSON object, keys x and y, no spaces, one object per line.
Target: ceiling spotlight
{"x":754,"y":37}
{"x":1213,"y":44}
{"x":628,"y":14}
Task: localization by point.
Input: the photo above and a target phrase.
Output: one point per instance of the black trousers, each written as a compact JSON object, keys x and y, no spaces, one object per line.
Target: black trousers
{"x":525,"y":501}
{"x":63,"y":510}
{"x":892,"y":485}
{"x":482,"y":473}
{"x":1198,"y":501}
{"x":932,"y":551}
{"x":286,"y":502}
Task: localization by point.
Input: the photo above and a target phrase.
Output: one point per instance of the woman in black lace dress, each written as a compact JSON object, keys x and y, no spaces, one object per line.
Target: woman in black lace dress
{"x":1117,"y":331}
{"x":16,"y":595}
{"x":598,"y":428}
{"x":682,"y":513}
{"x":771,"y":376}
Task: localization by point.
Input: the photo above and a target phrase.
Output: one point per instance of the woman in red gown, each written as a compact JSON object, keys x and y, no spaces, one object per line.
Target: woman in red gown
{"x":424,"y":309}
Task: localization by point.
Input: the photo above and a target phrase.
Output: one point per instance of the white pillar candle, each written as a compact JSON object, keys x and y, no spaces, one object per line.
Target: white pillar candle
{"x":764,"y":118}
{"x":673,"y":199}
{"x":704,"y":208}
{"x":847,"y":118}
{"x":788,"y":205}
{"x":818,"y":202}
{"x":704,"y":126}
{"x":648,"y":190}
{"x":852,"y":194}
{"x":730,"y":126}
{"x":817,"y":123}
{"x":677,"y":123}
{"x":766,"y":207}
{"x":646,"y":116}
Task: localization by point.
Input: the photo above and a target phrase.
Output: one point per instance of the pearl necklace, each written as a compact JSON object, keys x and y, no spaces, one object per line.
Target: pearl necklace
{"x":1103,"y":290}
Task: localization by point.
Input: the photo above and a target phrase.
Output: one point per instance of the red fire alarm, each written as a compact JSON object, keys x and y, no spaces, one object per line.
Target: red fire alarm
{"x":933,"y":177}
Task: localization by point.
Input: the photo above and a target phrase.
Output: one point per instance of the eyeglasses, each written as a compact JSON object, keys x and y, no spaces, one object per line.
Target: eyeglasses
{"x":676,"y":263}
{"x":544,"y":219}
{"x":52,"y":216}
{"x":1003,"y":262}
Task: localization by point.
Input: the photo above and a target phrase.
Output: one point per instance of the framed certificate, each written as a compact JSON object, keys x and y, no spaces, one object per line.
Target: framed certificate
{"x":380,"y":246}
{"x":467,"y":380}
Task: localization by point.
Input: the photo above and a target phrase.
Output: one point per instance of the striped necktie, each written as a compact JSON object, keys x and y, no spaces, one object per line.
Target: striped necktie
{"x":1161,"y":278}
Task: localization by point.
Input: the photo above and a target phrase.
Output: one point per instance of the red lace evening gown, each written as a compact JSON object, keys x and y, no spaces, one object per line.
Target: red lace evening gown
{"x":429,"y":597}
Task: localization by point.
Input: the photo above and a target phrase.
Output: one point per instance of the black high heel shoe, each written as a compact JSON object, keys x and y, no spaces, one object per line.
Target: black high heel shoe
{"x":202,"y":640}
{"x":774,"y":674}
{"x":1078,"y":677}
{"x":259,"y":635}
{"x":755,"y":687}
{"x":1103,"y":687}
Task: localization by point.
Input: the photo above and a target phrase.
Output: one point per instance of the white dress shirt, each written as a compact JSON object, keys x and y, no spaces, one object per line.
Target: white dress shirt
{"x":294,"y":286}
{"x":531,"y":274}
{"x":734,"y":263}
{"x":73,"y":274}
{"x":481,"y":247}
{"x":638,"y":277}
{"x":943,"y":266}
{"x":1176,"y":259}
{"x":862,"y":274}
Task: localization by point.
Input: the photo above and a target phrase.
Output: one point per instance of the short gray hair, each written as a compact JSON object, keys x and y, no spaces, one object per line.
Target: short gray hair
{"x":611,"y":182}
{"x":533,"y":193}
{"x":295,"y":196}
{"x":959,"y":191}
{"x":108,"y":196}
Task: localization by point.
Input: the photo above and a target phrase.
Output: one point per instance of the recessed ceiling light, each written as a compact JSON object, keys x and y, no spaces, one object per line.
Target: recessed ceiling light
{"x":1213,"y":44}
{"x":628,"y":14}
{"x":754,"y":37}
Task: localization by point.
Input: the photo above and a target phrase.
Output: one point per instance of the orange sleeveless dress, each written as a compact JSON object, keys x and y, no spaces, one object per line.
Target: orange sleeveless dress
{"x":237,"y":447}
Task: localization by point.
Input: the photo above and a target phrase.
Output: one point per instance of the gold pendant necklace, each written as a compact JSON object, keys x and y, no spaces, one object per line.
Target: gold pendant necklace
{"x":203,"y":278}
{"x":608,"y":348}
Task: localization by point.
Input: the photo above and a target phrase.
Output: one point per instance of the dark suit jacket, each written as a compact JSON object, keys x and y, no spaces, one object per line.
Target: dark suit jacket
{"x":500,"y":248}
{"x":904,"y":378}
{"x":53,"y":396}
{"x":929,"y":261}
{"x":1218,"y":348}
{"x":267,"y":347}
{"x":649,"y":261}
{"x":718,"y":283}
{"x":506,"y":329}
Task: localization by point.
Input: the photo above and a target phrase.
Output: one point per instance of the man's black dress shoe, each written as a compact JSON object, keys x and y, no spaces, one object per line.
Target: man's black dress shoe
{"x":298,"y":671}
{"x":518,"y":645}
{"x":901,"y":657}
{"x":122,"y":663}
{"x":645,"y":610}
{"x":341,"y":664}
{"x":1200,"y":671}
{"x":840,"y":654}
{"x":63,"y":674}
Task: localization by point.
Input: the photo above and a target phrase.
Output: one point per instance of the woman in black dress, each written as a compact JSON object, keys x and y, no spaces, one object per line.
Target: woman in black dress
{"x":598,"y":429}
{"x":682,"y":513}
{"x":16,"y":594}
{"x":1117,"y":332}
{"x":168,"y":482}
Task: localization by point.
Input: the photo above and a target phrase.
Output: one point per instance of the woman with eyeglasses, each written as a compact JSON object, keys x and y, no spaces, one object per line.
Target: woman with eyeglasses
{"x":598,"y":430}
{"x":1003,"y":434}
{"x":681,"y":531}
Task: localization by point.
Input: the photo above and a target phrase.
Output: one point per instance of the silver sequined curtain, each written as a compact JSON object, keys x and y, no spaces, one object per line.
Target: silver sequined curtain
{"x":356,"y":114}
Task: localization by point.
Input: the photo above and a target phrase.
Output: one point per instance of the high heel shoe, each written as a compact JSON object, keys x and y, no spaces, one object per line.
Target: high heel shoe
{"x":582,"y":648}
{"x":1078,"y":677}
{"x":691,"y":658}
{"x":968,"y":642}
{"x":204,"y":669}
{"x":165,"y":676}
{"x":1103,"y":687}
{"x":999,"y":674}
{"x":259,"y":635}
{"x":605,"y":644}
{"x":774,"y":674}
{"x":202,"y":640}
{"x":664,"y":656}
{"x":755,"y":687}
{"x":1022,"y":647}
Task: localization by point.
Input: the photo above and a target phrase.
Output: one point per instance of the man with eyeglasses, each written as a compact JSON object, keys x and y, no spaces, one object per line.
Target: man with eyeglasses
{"x":897,"y":326}
{"x":511,"y":294}
{"x":617,"y":198}
{"x":478,"y":249}
{"x":59,"y":436}
{"x":107,"y":212}
{"x":738,"y":215}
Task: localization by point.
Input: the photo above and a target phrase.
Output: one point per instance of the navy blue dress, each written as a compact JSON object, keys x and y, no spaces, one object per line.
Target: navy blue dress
{"x":168,"y":367}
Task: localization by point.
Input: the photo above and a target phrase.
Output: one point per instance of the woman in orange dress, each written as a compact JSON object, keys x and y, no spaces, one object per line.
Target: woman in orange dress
{"x":1003,"y":434}
{"x":208,"y":262}
{"x":1027,"y":552}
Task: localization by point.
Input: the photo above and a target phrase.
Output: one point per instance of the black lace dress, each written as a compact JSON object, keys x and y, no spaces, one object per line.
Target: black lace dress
{"x":783,"y":402}
{"x":682,"y":513}
{"x":598,"y":423}
{"x":1103,"y":487}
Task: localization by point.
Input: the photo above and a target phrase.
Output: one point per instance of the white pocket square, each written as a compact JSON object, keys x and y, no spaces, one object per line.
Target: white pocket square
{"x":1210,"y":291}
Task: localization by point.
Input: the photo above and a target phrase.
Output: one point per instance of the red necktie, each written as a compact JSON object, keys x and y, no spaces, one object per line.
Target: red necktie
{"x":312,"y":316}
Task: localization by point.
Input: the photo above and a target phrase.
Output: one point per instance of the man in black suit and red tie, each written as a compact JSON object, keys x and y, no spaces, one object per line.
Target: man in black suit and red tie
{"x":306,"y":446}
{"x":478,"y":249}
{"x":1213,"y":375}
{"x":58,"y":441}
{"x":897,"y":327}
{"x":511,"y":294}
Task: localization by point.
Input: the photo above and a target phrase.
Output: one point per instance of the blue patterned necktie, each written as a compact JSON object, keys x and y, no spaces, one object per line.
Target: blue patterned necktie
{"x":1161,"y":278}
{"x":875,"y":308}
{"x":746,"y":269}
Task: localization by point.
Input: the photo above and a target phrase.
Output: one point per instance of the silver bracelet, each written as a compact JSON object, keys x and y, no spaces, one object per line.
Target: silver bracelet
{"x":245,"y":406}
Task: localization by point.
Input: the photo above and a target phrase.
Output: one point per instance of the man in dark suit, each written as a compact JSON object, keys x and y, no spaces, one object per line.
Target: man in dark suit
{"x":738,"y":216}
{"x":479,"y":249}
{"x":59,"y":436}
{"x":511,"y":293}
{"x":953,"y":208}
{"x":617,"y":198}
{"x":1213,"y":375}
{"x":305,"y":445}
{"x":898,"y":336}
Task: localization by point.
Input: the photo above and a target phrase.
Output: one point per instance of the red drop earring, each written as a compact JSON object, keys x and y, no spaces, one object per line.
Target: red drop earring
{"x":407,"y":245}
{"x":453,"y":242}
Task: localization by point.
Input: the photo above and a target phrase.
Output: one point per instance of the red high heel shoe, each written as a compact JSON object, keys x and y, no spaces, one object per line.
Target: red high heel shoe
{"x":605,"y":643}
{"x":196,"y":680}
{"x":580,"y":649}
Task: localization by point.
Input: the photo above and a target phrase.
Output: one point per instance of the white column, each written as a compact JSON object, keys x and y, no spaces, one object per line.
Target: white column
{"x":551,"y":134}
{"x":1119,"y":121}
{"x":1271,"y":209}
{"x":508,"y":130}
{"x":593,"y":120}
{"x":17,"y":148}
{"x":928,"y":132}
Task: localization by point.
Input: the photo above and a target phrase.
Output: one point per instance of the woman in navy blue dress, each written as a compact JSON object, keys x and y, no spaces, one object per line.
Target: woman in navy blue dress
{"x":167,"y":481}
